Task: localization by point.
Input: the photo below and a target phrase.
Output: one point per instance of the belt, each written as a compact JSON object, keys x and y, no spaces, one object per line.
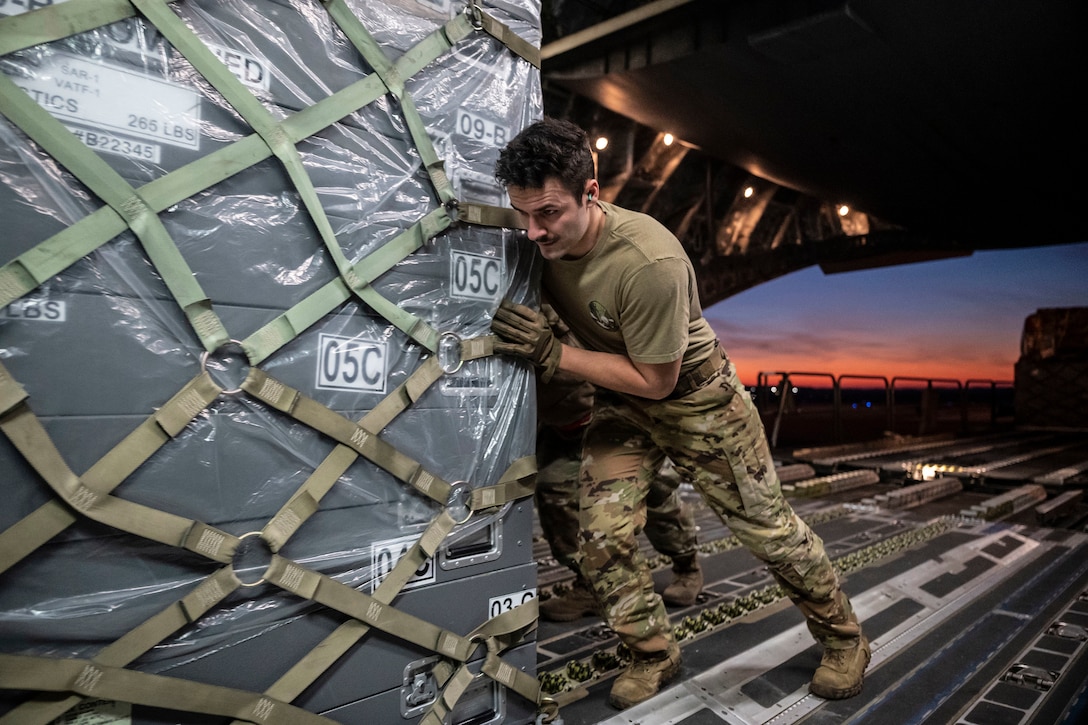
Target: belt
{"x":688,"y":383}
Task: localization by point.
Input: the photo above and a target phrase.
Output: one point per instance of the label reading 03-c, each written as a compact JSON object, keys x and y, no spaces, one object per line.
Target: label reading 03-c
{"x":499,"y":605}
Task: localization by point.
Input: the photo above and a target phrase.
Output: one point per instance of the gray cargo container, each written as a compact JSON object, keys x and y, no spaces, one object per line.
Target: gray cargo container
{"x":178,"y":238}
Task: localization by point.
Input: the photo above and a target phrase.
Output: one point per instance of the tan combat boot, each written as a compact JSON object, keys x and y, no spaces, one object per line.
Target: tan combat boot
{"x":575,"y":603}
{"x":841,"y":671}
{"x":685,"y":586}
{"x":645,"y":677}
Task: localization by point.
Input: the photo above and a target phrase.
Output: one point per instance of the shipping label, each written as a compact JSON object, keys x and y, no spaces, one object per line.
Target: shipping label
{"x":499,"y":605}
{"x":36,"y":309}
{"x":478,"y":128}
{"x":18,"y":7}
{"x":349,"y":363}
{"x":476,"y":276}
{"x":114,"y":100}
{"x":384,"y":555}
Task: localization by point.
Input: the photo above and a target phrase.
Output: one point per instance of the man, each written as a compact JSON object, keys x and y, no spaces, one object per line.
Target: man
{"x":627,"y":289}
{"x":564,"y":406}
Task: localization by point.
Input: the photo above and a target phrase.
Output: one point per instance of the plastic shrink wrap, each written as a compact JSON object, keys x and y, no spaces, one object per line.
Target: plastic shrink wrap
{"x":250,"y":253}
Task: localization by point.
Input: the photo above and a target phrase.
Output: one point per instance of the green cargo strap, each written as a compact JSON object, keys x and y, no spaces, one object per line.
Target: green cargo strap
{"x":503,"y":34}
{"x":325,"y":590}
{"x":514,"y":484}
{"x":11,"y":393}
{"x":32,"y":531}
{"x":111,"y":188}
{"x":507,"y":629}
{"x":393,"y":78}
{"x":512,"y":678}
{"x":250,"y":109}
{"x":307,"y":499}
{"x":518,"y":481}
{"x":304,"y":672}
{"x":500,"y":633}
{"x":52,"y":517}
{"x":489,"y":216}
{"x":455,"y":685}
{"x":408,"y":323}
{"x":30,"y":439}
{"x":71,"y":244}
{"x":404,"y":394}
{"x":311,"y":413}
{"x":90,"y":679}
{"x":54,"y":22}
{"x":161,"y":426}
{"x":76,"y":241}
{"x":207,"y":594}
{"x":287,"y":326}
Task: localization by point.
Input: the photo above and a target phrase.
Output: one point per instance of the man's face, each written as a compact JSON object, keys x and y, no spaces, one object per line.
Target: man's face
{"x":560,"y":224}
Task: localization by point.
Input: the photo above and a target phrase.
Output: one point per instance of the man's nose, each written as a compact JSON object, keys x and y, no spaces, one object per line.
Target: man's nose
{"x":536,"y":231}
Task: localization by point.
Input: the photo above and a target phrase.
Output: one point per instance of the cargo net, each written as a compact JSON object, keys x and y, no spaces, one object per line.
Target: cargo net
{"x":251,"y":249}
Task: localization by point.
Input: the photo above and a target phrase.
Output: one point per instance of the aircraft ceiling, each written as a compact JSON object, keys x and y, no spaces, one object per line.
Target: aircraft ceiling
{"x":956,"y":119}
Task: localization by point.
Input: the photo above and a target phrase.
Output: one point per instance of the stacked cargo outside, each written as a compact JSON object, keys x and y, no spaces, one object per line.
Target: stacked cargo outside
{"x":308,"y":418}
{"x":1051,"y":376}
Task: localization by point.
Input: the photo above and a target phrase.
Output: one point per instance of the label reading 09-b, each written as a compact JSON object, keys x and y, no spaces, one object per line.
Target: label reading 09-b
{"x":349,"y":363}
{"x":475,"y":276}
{"x":469,"y":125}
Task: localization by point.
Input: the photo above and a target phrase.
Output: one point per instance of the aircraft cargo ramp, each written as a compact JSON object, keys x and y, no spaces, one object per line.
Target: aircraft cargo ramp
{"x":977,"y":612}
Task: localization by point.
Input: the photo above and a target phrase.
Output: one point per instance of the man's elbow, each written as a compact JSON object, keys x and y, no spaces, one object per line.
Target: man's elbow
{"x":660,"y":390}
{"x":657,"y":381}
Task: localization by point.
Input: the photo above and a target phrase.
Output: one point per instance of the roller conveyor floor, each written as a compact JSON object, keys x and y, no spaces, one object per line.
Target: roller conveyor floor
{"x":972,"y":621}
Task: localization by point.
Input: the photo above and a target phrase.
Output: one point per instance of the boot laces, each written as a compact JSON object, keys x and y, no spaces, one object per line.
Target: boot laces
{"x":838,"y":659}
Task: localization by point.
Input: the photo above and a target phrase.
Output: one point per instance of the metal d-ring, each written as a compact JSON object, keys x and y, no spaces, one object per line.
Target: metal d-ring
{"x":459,"y":498}
{"x":548,"y":712}
{"x":204,"y":362}
{"x":259,"y":581}
{"x":476,"y":14}
{"x":460,"y":360}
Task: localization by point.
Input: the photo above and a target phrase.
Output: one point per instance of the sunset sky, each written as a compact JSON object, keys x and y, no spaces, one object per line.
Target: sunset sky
{"x":958,"y":318}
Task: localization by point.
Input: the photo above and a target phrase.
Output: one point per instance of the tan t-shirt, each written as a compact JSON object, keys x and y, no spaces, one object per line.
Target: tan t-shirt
{"x":634,"y":294}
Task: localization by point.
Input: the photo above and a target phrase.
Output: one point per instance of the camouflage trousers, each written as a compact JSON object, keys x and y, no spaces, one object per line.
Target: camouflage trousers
{"x":716,"y":439}
{"x":667,"y":520}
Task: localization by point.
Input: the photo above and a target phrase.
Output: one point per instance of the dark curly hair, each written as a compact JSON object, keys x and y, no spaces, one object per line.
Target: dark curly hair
{"x":549,"y":148}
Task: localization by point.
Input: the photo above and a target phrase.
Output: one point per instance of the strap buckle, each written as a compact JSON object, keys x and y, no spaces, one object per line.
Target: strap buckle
{"x":476,"y":14}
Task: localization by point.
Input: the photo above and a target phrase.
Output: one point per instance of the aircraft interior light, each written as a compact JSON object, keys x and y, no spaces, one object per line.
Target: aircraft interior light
{"x":668,"y":139}
{"x":602,"y":143}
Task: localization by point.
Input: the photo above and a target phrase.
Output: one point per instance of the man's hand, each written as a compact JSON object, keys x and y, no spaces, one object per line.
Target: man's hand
{"x":526,"y":333}
{"x":559,"y":328}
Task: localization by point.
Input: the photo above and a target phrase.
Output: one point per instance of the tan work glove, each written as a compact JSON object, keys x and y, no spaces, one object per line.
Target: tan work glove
{"x":526,"y":333}
{"x":559,"y":328}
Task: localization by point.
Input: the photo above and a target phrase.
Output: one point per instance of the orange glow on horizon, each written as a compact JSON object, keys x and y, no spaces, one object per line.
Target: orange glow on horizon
{"x":749,"y":367}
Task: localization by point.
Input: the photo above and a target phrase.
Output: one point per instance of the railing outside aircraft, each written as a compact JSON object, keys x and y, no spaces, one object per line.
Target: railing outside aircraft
{"x":819,"y":408}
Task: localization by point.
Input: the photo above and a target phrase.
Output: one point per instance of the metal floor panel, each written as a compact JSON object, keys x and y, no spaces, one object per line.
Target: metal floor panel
{"x":948,"y":617}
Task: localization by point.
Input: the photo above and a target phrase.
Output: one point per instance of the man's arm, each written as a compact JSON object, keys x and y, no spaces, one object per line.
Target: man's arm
{"x":525,"y":332}
{"x":620,"y":373}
